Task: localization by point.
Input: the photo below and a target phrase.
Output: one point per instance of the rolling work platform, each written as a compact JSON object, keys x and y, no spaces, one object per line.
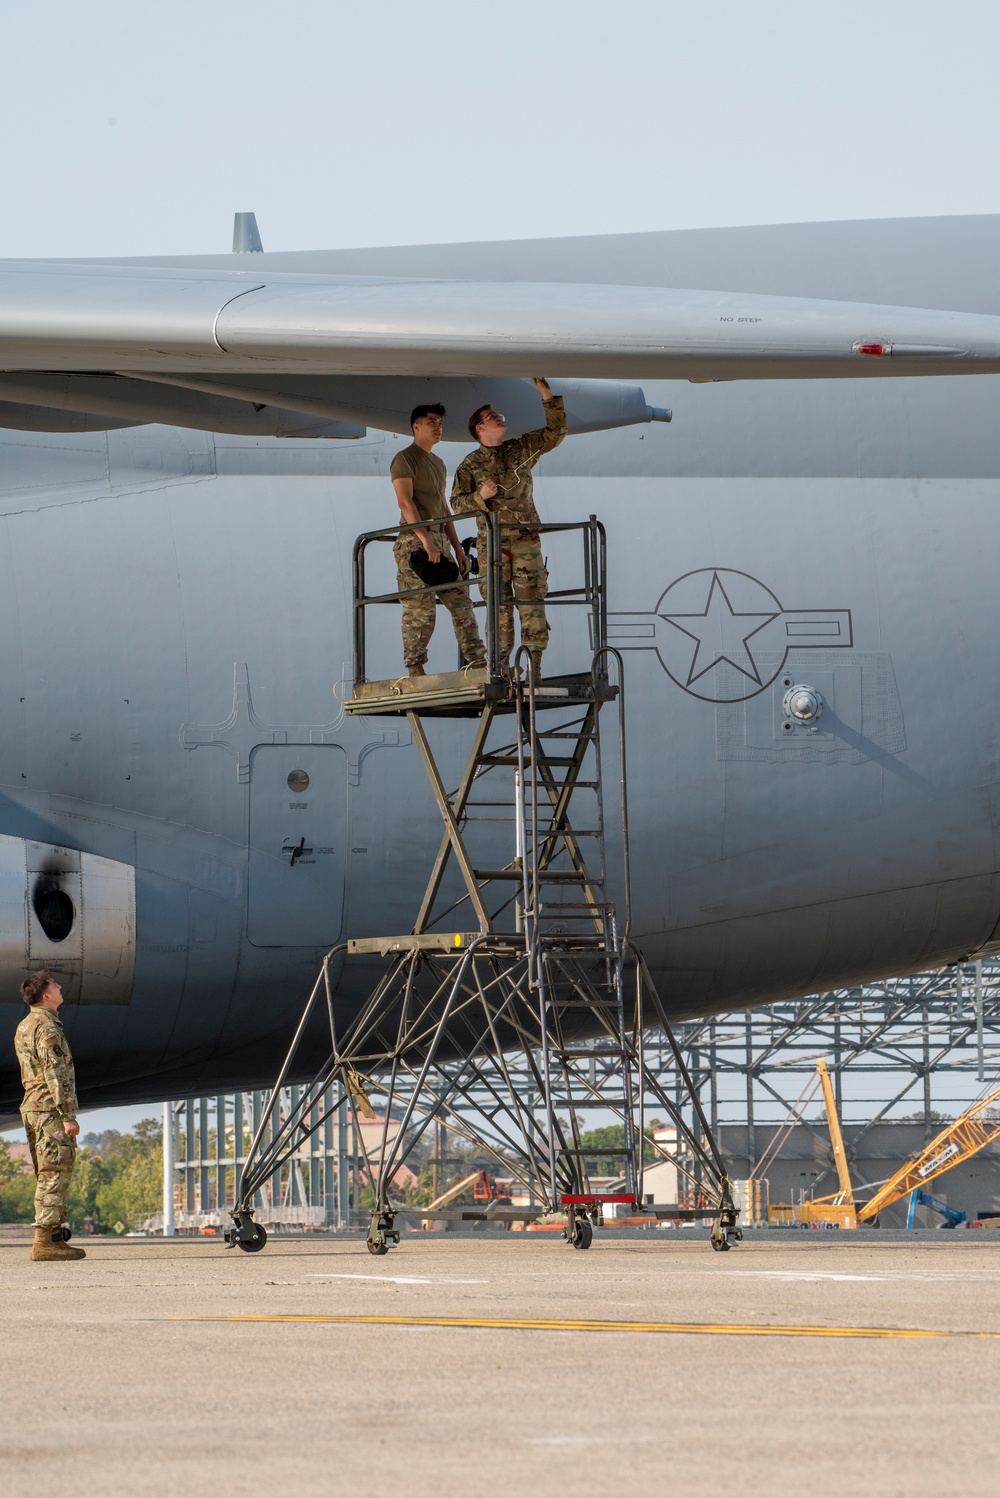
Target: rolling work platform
{"x":519,"y":960}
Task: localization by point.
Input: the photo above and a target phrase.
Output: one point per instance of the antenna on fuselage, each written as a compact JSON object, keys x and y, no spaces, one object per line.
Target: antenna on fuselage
{"x":246,"y":235}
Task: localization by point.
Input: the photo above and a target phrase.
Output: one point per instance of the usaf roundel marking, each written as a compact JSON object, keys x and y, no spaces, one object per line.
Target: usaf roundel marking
{"x":718,"y":615}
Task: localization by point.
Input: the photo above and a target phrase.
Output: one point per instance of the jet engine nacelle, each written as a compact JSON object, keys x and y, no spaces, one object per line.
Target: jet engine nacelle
{"x":385,"y":401}
{"x":71,"y":912}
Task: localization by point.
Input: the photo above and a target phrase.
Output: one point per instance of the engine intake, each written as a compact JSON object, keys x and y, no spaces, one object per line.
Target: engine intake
{"x":71,"y":912}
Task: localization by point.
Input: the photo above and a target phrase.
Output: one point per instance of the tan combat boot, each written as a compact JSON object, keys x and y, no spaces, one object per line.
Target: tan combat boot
{"x":536,"y":661}
{"x":416,"y":671}
{"x":49,"y":1245}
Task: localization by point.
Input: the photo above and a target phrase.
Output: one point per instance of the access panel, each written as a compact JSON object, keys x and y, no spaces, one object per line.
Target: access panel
{"x":298,"y":833}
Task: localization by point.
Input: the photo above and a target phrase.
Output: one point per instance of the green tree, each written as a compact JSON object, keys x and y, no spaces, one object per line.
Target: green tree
{"x":17,"y":1188}
{"x":90,"y":1175}
{"x":118,"y":1177}
{"x":17,"y":1199}
{"x":612,"y":1137}
{"x":9,"y":1166}
{"x":131,"y":1184}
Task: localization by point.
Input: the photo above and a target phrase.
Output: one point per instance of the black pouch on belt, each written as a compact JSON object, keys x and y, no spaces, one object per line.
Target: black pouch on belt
{"x":433,"y":574}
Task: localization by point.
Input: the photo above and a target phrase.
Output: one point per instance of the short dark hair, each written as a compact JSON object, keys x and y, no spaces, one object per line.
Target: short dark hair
{"x":435,"y":410}
{"x":35,"y":986}
{"x":476,"y":418}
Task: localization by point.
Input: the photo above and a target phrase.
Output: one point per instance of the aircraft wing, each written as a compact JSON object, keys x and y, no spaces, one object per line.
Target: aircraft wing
{"x":136,"y":320}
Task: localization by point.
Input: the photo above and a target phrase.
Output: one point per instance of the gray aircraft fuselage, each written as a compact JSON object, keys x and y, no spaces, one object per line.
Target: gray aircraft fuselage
{"x":175,"y":615}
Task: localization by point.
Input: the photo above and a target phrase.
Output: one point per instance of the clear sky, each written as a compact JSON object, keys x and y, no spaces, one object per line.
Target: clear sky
{"x":136,"y":128}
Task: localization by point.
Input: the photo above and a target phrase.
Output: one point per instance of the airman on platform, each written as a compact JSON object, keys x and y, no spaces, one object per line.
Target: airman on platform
{"x":496,"y":479}
{"x":418,"y":477}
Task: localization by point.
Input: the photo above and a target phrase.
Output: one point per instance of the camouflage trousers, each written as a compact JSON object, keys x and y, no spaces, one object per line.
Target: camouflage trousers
{"x":53,"y":1155}
{"x":525,"y":580}
{"x":420,"y":613}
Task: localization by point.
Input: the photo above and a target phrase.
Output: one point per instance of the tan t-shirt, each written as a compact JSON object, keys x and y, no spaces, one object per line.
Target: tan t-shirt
{"x":429,"y":475}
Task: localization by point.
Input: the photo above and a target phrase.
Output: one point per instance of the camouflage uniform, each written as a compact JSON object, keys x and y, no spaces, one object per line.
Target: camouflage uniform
{"x":419,"y":614}
{"x":523,"y":572}
{"x":49,"y":1100}
{"x":427,"y":473}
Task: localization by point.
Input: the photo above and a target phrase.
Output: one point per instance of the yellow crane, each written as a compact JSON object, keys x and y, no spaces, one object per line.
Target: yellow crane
{"x":964,"y":1137}
{"x":958,"y":1141}
{"x":838,"y":1207}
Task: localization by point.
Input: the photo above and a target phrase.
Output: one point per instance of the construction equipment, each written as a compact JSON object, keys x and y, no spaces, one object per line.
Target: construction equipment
{"x":488,"y":1189}
{"x":957,"y":1141}
{"x":953,"y":1218}
{"x":449,"y":1196}
{"x":839,"y":1208}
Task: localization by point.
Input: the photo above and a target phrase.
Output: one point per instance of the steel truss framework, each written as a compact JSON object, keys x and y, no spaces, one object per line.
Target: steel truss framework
{"x":920,"y":1046}
{"x":521,"y":1092}
{"x":211,"y":1139}
{"x":924,"y":1045}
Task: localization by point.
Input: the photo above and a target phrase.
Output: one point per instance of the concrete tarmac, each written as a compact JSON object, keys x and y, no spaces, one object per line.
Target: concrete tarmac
{"x":163,"y":1367}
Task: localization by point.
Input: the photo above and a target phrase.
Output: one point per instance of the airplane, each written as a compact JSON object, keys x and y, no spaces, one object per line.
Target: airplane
{"x":802,"y":567}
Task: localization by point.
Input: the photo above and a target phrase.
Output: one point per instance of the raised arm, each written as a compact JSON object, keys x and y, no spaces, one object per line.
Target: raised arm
{"x":533,"y":444}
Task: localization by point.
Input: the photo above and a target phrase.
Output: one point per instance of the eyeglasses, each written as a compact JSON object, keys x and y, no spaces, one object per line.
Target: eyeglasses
{"x":492,"y":416}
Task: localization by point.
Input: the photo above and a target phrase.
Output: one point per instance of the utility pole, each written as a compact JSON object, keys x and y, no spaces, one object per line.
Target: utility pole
{"x":926,"y":1069}
{"x":751,"y":1131}
{"x":343,"y":1170}
{"x":168,"y":1170}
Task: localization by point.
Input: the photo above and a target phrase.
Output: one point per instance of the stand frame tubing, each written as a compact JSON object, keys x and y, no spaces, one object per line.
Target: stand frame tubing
{"x":449,"y":1039}
{"x":455,"y":1023}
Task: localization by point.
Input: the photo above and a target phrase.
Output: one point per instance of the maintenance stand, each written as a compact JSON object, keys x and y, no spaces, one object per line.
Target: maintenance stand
{"x":519,"y":965}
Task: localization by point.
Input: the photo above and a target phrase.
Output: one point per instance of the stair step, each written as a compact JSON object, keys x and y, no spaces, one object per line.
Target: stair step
{"x":587,"y":905}
{"x":584,"y":1003}
{"x":617,"y":1055}
{"x":545,"y":871}
{"x":589,"y":1055}
{"x":512,"y":761}
{"x":547,"y":835}
{"x":578,"y":785}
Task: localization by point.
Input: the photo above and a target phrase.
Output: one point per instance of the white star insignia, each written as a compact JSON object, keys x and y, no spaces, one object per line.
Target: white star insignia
{"x":720,"y":634}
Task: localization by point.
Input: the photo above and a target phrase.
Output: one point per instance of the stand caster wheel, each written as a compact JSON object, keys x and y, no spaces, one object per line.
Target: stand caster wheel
{"x":256,"y":1243}
{"x":66,"y":1232}
{"x":376,"y":1245}
{"x":721,"y":1245}
{"x":583,"y":1234}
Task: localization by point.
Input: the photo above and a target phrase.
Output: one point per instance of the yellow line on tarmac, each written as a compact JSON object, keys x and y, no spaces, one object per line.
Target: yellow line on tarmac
{"x":529,"y":1324}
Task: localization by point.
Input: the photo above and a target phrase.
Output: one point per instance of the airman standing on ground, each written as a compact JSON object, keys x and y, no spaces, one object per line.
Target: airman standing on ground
{"x":496,"y":479}
{"x":48,"y":1111}
{"x":418,"y":477}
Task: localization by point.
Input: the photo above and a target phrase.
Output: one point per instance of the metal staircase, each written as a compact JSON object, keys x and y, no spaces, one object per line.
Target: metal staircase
{"x":516,"y":955}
